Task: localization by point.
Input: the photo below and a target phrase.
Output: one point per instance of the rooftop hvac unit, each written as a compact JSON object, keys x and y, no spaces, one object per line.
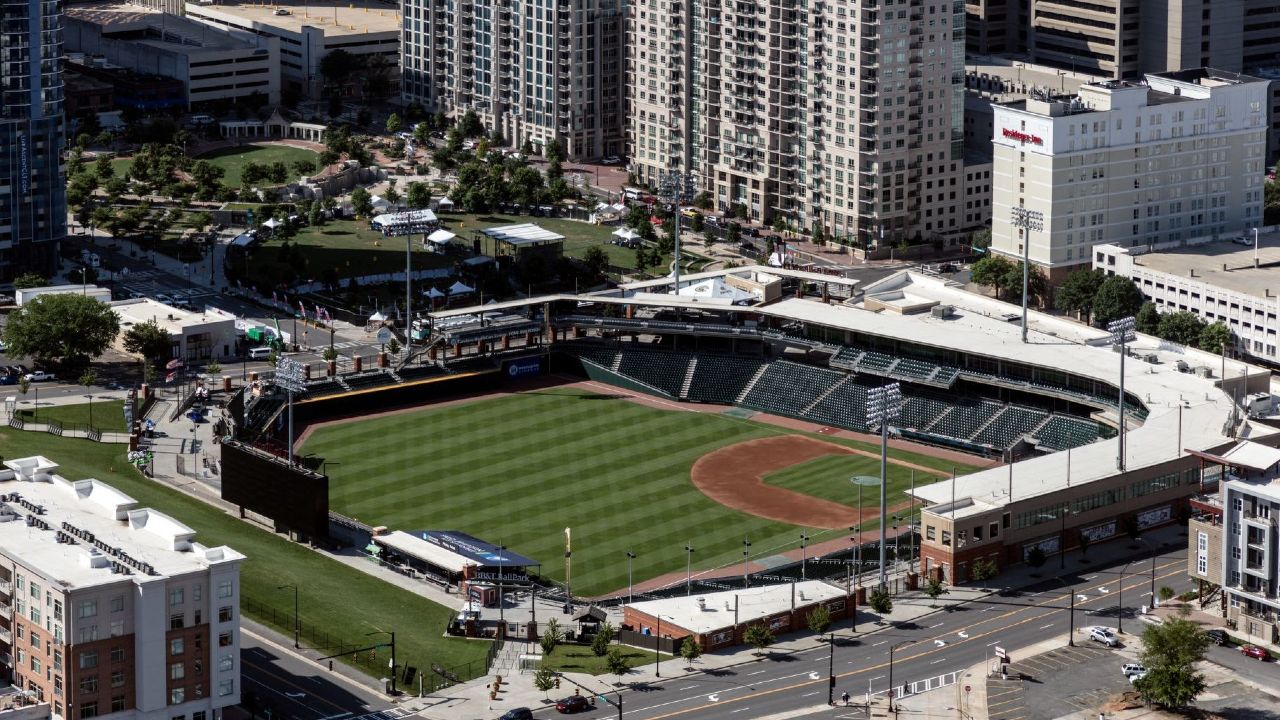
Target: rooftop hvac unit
{"x":1204,"y":371}
{"x":1152,"y":358}
{"x":702,"y":604}
{"x":942,"y":311}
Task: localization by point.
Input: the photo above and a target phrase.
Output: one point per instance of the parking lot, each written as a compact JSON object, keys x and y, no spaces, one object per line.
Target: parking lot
{"x":1057,"y":683}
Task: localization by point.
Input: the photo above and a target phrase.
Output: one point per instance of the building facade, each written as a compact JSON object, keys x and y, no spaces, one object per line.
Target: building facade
{"x":33,"y":202}
{"x":1250,"y":568}
{"x":542,"y":71}
{"x":110,"y":608}
{"x":1177,"y":158}
{"x":837,"y":116}
{"x":213,"y":64}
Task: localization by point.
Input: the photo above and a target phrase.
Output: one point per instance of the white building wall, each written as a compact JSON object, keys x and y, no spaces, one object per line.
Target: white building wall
{"x":150,"y":648}
{"x":223,"y":595}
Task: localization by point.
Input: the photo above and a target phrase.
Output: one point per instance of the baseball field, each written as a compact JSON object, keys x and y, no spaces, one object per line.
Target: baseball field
{"x":625,"y":476}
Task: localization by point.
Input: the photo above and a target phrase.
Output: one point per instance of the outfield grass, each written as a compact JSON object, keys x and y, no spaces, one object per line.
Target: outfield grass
{"x":517,"y":470}
{"x":829,"y":478}
{"x":107,"y":415}
{"x":233,"y":159}
{"x":333,"y":597}
{"x":579,"y":658}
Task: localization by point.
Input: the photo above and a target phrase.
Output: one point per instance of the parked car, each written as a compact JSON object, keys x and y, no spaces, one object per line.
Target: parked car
{"x":518,"y":714}
{"x":7,"y":379}
{"x":1134,"y":678}
{"x":611,"y":160}
{"x":1131,"y":669}
{"x":1217,"y":636}
{"x":39,"y":376}
{"x":1104,"y":636}
{"x":573,"y":704}
{"x":1254,"y":651}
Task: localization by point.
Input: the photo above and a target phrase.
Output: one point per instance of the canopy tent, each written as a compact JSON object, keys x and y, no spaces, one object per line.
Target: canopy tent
{"x":460,"y":288}
{"x":434,"y":293}
{"x":444,"y":204}
{"x":379,"y":203}
{"x":377,"y":317}
{"x":272,"y":224}
{"x":717,"y":289}
{"x":441,"y":237}
{"x":626,"y":233}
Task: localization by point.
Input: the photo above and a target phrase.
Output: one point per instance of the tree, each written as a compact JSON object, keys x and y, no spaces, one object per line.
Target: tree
{"x":213,"y":368}
{"x":394,"y":124}
{"x":759,"y":637}
{"x":147,"y":340}
{"x":982,"y":570}
{"x":419,"y":195}
{"x":880,"y":601}
{"x":1148,"y":319}
{"x":526,"y":185}
{"x":1077,"y":292}
{"x":61,"y":328}
{"x":1117,"y":297}
{"x":616,"y":663}
{"x":1084,"y":542}
{"x":200,"y":220}
{"x":596,"y":260}
{"x":1215,"y":336}
{"x":544,"y":679}
{"x":600,"y":643}
{"x":336,"y":66}
{"x":1036,"y":557}
{"x":29,"y":280}
{"x":989,"y":270}
{"x":393,"y":346}
{"x":103,"y":168}
{"x":361,"y":202}
{"x":1182,"y":327}
{"x":690,"y":650}
{"x":1170,"y":652}
{"x":980,"y":240}
{"x":1166,"y":593}
{"x":818,"y":620}
{"x":392,"y":195}
{"x":551,"y":637}
{"x":470,"y":125}
{"x":934,"y":589}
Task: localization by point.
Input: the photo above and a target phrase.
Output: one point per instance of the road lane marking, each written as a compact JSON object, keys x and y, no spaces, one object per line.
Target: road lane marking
{"x":758,"y":672}
{"x":882,"y":642}
{"x":1046,"y":627}
{"x":691,"y":687}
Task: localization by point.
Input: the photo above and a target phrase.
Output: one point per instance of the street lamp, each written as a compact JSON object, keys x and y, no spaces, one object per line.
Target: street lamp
{"x":1120,"y":598}
{"x":502,"y":620}
{"x":1152,"y":548}
{"x":1121,"y":333}
{"x":904,"y":643}
{"x":688,"y":569}
{"x":746,"y":550}
{"x":630,"y":556}
{"x":884,"y":404}
{"x":804,"y":539}
{"x":1071,"y":625}
{"x":1027,"y":221}
{"x":296,"y":622}
{"x":393,"y":655}
{"x":657,"y":637}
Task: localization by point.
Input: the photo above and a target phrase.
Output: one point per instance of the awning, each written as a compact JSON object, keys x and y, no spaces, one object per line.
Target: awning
{"x":460,"y":288}
{"x":419,"y":549}
{"x":1252,"y":455}
{"x":434,"y":293}
{"x":440,"y":237}
{"x":377,"y":317}
{"x":626,"y":233}
{"x":272,"y":223}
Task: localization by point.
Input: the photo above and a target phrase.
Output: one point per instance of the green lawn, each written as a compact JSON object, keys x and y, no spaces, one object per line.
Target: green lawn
{"x":580,"y":659}
{"x":233,"y":159}
{"x":578,"y":236}
{"x":107,"y":415}
{"x":829,"y":477}
{"x":328,"y":589}
{"x":518,"y":470}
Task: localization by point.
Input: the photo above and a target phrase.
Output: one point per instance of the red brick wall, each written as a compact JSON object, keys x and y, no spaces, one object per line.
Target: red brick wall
{"x":123,"y":645}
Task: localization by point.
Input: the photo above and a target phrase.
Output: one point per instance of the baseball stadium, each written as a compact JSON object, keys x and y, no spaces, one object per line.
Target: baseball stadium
{"x":713,"y":432}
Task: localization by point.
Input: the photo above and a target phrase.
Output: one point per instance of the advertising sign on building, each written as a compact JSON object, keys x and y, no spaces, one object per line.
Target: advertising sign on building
{"x":1048,"y":546}
{"x":1098,"y":533}
{"x":1155,"y":516}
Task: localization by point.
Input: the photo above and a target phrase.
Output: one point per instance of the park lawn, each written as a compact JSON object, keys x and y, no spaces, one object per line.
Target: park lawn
{"x":232,"y":160}
{"x":578,"y":235}
{"x":107,"y":415}
{"x":349,"y":248}
{"x":517,"y":470}
{"x":328,"y":590}
{"x":580,"y":659}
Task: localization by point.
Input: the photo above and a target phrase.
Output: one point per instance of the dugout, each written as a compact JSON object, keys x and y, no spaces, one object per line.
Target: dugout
{"x":455,"y":558}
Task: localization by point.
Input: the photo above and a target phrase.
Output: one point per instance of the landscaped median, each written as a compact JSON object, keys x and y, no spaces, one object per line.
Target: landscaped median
{"x":339,"y":606}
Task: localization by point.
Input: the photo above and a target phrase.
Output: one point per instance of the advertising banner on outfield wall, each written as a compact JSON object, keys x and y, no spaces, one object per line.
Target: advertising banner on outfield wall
{"x":523,"y":367}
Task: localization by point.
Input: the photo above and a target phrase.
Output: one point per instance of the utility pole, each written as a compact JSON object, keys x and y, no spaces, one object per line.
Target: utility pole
{"x":884,"y":404}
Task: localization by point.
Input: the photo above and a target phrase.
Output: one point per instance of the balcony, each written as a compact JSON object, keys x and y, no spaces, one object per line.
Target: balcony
{"x":6,"y":636}
{"x":6,"y":588}
{"x":6,"y":612}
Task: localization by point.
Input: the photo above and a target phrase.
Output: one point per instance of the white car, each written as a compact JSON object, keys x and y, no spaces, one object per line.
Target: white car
{"x":39,"y":376}
{"x":1104,"y":636}
{"x":1132,"y":669}
{"x":611,"y":160}
{"x":1133,"y":679}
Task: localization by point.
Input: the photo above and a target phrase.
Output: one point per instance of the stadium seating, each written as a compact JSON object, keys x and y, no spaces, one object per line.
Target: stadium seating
{"x":601,"y":355}
{"x":419,"y":372}
{"x":1011,"y":424}
{"x":262,"y":409}
{"x":847,"y":355}
{"x":368,"y":380}
{"x":846,"y":407}
{"x":1062,"y":432}
{"x":787,"y":388}
{"x":965,"y":419}
{"x":919,"y":410}
{"x":720,"y":379}
{"x":909,"y":368}
{"x":875,"y":362}
{"x":655,"y":368}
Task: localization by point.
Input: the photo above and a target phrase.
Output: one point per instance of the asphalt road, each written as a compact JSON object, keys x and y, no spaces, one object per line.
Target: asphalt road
{"x":936,"y":644}
{"x":294,"y":688}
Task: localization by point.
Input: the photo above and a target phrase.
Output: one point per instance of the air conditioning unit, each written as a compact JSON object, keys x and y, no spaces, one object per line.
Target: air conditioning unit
{"x":1204,"y":371}
{"x":942,"y":311}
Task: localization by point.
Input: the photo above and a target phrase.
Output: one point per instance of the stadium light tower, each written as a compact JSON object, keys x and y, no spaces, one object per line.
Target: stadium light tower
{"x":676,"y":188}
{"x":884,"y":404}
{"x":1121,"y":333}
{"x":1027,"y":220}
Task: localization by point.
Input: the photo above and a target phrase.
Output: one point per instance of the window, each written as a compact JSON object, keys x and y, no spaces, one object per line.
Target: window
{"x":177,"y":696}
{"x":929,"y":532}
{"x":195,"y":597}
{"x":177,"y":671}
{"x":175,"y":596}
{"x":226,"y":687}
{"x":35,"y":665}
{"x":117,"y":655}
{"x":117,"y":604}
{"x":89,"y":684}
{"x":117,"y":628}
{"x":224,"y":589}
{"x":946,"y":537}
{"x":88,"y":710}
{"x":117,"y":703}
{"x":224,"y":614}
{"x":224,"y":639}
{"x":35,"y":640}
{"x":177,"y":621}
{"x":88,"y":660}
{"x":35,"y":591}
{"x":175,"y":646}
{"x":198,"y":715}
{"x":995,"y":530}
{"x":117,"y":678}
{"x":57,"y":661}
{"x":88,"y":608}
{"x":226,"y":663}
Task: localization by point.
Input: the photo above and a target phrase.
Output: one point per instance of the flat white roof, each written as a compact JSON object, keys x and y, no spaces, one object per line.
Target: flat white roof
{"x":715,"y":611}
{"x":97,"y":509}
{"x":333,"y":17}
{"x":1254,"y":456}
{"x":171,"y":319}
{"x":1223,"y":264}
{"x":416,"y":547}
{"x":523,"y":234}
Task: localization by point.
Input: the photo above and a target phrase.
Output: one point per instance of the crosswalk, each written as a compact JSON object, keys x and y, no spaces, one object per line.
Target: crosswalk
{"x":389,"y":714}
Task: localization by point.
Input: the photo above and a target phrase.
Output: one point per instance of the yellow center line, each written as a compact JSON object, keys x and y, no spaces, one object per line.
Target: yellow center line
{"x":971,"y":638}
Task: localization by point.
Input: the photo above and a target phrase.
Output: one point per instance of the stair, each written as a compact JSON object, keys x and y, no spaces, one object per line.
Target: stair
{"x":342,"y":382}
{"x":935,"y":421}
{"x":616,"y":364}
{"x":823,"y":396}
{"x":399,"y":380}
{"x":986,"y":424}
{"x":750,"y":384}
{"x":688,"y":378}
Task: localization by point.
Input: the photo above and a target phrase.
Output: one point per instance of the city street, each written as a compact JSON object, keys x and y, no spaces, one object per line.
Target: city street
{"x":939,"y":644}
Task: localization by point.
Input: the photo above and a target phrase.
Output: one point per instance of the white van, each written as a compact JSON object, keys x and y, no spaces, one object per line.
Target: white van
{"x":1258,"y":404}
{"x":259,"y":353}
{"x":632,"y":193}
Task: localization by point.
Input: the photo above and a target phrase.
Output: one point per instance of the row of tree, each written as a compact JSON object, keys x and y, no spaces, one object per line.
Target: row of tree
{"x":68,"y":330}
{"x":1097,"y":298}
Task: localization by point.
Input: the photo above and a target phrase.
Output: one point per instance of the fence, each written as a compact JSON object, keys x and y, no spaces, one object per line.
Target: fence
{"x":371,"y":662}
{"x":923,"y":686}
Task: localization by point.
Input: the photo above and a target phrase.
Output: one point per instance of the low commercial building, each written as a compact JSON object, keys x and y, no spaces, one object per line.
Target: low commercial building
{"x":213,"y":64}
{"x":108,"y":608}
{"x":719,"y":620}
{"x":196,"y":335}
{"x":23,"y":296}
{"x":308,"y":31}
{"x":1226,"y":282}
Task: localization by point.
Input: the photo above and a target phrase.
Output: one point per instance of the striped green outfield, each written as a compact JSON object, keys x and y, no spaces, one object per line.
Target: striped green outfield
{"x":517,"y":470}
{"x":828,"y":477}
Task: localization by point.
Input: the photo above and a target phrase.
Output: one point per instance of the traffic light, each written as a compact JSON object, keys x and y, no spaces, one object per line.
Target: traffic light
{"x":557,"y":682}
